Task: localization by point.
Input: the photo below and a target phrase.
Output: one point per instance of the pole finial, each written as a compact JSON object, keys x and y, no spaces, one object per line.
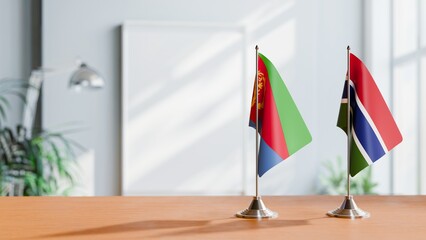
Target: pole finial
{"x":257,"y":47}
{"x":348,"y":48}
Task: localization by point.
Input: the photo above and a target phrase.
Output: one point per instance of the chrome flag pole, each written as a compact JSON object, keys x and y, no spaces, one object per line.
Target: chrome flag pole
{"x":257,"y":208}
{"x":348,"y":209}
{"x":257,"y":121}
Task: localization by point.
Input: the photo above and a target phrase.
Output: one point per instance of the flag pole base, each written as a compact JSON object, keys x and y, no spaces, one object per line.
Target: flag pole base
{"x":349,"y":209}
{"x":257,"y":209}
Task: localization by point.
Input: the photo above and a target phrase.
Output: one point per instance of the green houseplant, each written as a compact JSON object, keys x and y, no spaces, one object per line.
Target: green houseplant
{"x":40,"y":164}
{"x":334,"y":180}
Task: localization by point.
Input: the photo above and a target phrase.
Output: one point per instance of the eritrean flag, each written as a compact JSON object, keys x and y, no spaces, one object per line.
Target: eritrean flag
{"x":281,"y":126}
{"x":374,"y":131}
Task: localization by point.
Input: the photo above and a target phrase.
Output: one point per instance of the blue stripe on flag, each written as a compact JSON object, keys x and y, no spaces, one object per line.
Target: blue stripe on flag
{"x":364,"y":132}
{"x":267,"y":158}
{"x":345,"y":90}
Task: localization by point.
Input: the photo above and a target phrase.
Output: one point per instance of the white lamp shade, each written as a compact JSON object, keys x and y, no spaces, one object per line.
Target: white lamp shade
{"x":86,"y":77}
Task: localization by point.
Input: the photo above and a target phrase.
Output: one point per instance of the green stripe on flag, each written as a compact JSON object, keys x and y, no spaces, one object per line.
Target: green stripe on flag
{"x":358,"y":161}
{"x":295,"y":131}
{"x":342,"y":120}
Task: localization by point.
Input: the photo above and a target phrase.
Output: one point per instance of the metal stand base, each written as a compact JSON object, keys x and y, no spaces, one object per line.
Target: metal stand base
{"x":349,"y":209}
{"x":257,"y":209}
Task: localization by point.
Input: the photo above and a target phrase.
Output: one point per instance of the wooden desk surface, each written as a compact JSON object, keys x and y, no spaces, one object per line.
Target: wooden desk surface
{"x":301,"y":217}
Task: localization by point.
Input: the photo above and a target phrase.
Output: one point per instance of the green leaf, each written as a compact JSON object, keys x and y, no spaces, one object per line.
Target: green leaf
{"x":46,"y":160}
{"x":4,"y":101}
{"x":30,"y":182}
{"x":2,"y":113}
{"x":335,"y":177}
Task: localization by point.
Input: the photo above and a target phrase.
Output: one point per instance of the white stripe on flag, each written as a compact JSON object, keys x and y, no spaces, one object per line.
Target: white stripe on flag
{"x":361,"y":148}
{"x":369,"y":120}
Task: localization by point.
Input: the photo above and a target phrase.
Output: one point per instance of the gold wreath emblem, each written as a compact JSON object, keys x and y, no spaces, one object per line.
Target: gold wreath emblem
{"x":260,"y":91}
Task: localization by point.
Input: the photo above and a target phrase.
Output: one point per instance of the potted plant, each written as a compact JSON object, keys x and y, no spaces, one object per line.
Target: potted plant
{"x":334,"y":180}
{"x":35,"y":165}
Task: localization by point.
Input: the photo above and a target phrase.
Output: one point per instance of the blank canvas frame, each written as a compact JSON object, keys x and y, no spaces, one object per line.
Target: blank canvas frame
{"x":183,"y":109}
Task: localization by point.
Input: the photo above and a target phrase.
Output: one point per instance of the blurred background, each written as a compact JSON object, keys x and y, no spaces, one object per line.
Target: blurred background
{"x":172,"y":116}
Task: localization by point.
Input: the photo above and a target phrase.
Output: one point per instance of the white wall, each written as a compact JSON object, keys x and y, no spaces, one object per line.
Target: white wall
{"x":394,"y":50}
{"x":340,"y":23}
{"x":305,"y":39}
{"x":15,"y":47}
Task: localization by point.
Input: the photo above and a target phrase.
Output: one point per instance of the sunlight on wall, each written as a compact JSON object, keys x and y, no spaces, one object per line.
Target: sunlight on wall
{"x":265,"y":13}
{"x":394,"y":47}
{"x":284,"y":36}
{"x":405,"y":113}
{"x":203,"y":53}
{"x":86,"y":174}
{"x":183,"y":94}
{"x":188,"y":91}
{"x":405,"y":37}
{"x":184,"y":134}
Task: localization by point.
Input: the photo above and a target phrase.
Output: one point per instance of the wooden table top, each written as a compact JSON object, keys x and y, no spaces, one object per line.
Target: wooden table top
{"x":300,"y":217}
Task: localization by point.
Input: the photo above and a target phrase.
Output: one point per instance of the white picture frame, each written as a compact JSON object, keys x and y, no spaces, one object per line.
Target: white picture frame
{"x":167,"y":65}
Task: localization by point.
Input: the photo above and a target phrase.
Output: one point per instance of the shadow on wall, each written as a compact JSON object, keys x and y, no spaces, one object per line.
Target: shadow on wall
{"x":187,"y":99}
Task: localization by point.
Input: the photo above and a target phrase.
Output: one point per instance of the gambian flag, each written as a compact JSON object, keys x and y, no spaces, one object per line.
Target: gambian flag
{"x":374,"y":131}
{"x":281,"y":126}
